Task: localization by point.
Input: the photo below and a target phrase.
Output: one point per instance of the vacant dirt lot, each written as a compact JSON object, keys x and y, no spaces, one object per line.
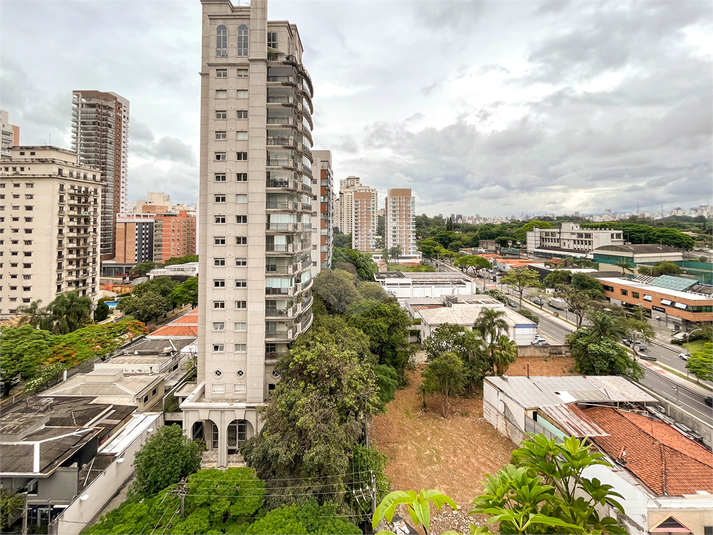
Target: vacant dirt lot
{"x":452,"y":455}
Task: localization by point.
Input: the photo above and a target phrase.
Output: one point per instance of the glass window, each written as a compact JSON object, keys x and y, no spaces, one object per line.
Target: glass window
{"x":220,"y":135}
{"x":241,"y":348}
{"x":241,"y":283}
{"x":241,"y":240}
{"x":221,"y":45}
{"x":242,"y":40}
{"x":242,"y":73}
{"x":241,"y":219}
{"x":219,"y":198}
{"x":221,"y":73}
{"x":220,"y":157}
{"x":241,"y":304}
{"x":635,"y":295}
{"x":221,"y":114}
{"x":241,"y":261}
{"x":242,"y":93}
{"x":241,"y":135}
{"x":272,"y":40}
{"x":219,"y":240}
{"x":218,"y":326}
{"x":219,"y":261}
{"x":242,"y":114}
{"x":241,"y":198}
{"x":241,"y":156}
{"x":241,"y":326}
{"x":218,"y":304}
{"x":218,"y":283}
{"x":241,"y":177}
{"x":221,"y":93}
{"x":219,"y":219}
{"x":220,"y":177}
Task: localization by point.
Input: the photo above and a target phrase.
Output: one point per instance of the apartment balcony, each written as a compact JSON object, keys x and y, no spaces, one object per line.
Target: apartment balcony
{"x":282,"y":141}
{"x":305,"y":132}
{"x":304,"y":149}
{"x":282,"y":184}
{"x":282,"y":336}
{"x":281,"y":80}
{"x":282,"y":162}
{"x":284,"y":292}
{"x":306,"y":304}
{"x":271,"y":269}
{"x":306,"y":207}
{"x":282,"y":101}
{"x":306,"y":188}
{"x":282,"y":227}
{"x":286,"y":313}
{"x":280,"y":248}
{"x":285,"y":206}
{"x":285,"y":121}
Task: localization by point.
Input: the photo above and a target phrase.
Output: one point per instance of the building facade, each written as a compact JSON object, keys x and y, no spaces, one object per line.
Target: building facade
{"x":100,"y":135}
{"x":322,"y":212}
{"x":347,"y":187}
{"x":49,"y":227}
{"x":365,"y":220}
{"x":572,"y":237}
{"x":174,"y":235}
{"x":255,"y":211}
{"x":10,"y":134}
{"x":134,"y":238}
{"x":400,"y":221}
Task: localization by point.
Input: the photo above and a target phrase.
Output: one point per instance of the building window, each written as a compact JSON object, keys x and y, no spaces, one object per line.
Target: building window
{"x":219,"y":262}
{"x":241,"y":326}
{"x":242,"y":73}
{"x":242,"y":40}
{"x":218,"y":348}
{"x":220,"y":135}
{"x":241,"y":348}
{"x":221,"y":114}
{"x":241,"y":198}
{"x":219,"y":240}
{"x":240,"y":262}
{"x":218,"y":305}
{"x":624,"y":292}
{"x":635,"y":295}
{"x":221,"y":45}
{"x":241,"y":177}
{"x":242,"y":114}
{"x":241,"y":135}
{"x":241,"y":156}
{"x":241,"y":240}
{"x":242,"y":93}
{"x":241,"y":219}
{"x":220,"y":177}
{"x":217,"y":389}
{"x":241,"y":283}
{"x":218,"y":326}
{"x":220,"y":157}
{"x":221,"y":93}
{"x":272,"y":40}
{"x":241,"y":304}
{"x":219,"y":219}
{"x":221,"y":73}
{"x":218,"y":283}
{"x":219,"y":198}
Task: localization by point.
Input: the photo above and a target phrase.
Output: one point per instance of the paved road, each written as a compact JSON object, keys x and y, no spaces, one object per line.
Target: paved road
{"x":663,"y":385}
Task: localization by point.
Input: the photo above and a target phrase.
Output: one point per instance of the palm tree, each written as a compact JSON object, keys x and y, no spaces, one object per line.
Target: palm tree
{"x":504,"y":354}
{"x":625,"y":265}
{"x":603,"y":325}
{"x":33,"y":314}
{"x":491,"y":324}
{"x":68,"y":312}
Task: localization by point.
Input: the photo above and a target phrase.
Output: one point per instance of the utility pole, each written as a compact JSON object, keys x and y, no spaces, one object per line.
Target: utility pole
{"x":24,"y":514}
{"x":181,"y":491}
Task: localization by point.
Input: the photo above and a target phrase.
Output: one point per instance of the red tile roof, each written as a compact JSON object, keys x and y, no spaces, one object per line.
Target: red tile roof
{"x":658,"y":455}
{"x":185,"y":326}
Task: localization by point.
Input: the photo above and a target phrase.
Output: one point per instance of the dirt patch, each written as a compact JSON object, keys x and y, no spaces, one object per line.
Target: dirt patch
{"x":427,"y":451}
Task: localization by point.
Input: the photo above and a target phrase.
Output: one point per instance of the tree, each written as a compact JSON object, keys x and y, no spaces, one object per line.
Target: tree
{"x":504,"y":354}
{"x":444,"y":375}
{"x":372,"y":291}
{"x":520,"y":279}
{"x":544,"y":490}
{"x":395,"y":253}
{"x":429,"y":248}
{"x":9,"y":503}
{"x":577,"y":301}
{"x":534,"y":318}
{"x":310,"y":518}
{"x":68,"y":312}
{"x":102,"y":311}
{"x":162,"y":286}
{"x":147,"y":306}
{"x":365,"y":266}
{"x":142,"y":268}
{"x":23,"y":350}
{"x":166,"y":457}
{"x":342,"y":241}
{"x":601,"y":356}
{"x":625,"y":265}
{"x":491,"y":324}
{"x":559,"y":277}
{"x":385,"y":255}
{"x":587,"y":283}
{"x":32,"y":314}
{"x":178,"y":260}
{"x":505,"y":241}
{"x":417,"y":505}
{"x":186,"y":292}
{"x":700,"y":363}
{"x":337,"y":288}
{"x":665,"y":268}
{"x":472,"y":261}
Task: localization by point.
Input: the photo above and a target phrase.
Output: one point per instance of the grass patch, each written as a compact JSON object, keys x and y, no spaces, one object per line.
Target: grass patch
{"x":408,"y":414}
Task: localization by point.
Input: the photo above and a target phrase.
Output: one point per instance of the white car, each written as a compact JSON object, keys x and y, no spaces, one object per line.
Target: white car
{"x":684,"y":356}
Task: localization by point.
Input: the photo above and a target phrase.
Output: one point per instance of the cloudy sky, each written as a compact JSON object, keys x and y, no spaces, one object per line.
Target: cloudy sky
{"x":490,"y":108}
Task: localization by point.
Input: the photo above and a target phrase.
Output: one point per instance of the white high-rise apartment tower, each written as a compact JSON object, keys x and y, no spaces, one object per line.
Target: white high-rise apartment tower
{"x":254,"y":217}
{"x":100,"y":135}
{"x":347,"y":187}
{"x":400,"y":221}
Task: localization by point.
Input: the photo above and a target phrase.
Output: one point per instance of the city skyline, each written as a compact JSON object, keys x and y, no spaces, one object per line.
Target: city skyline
{"x":556,"y":108}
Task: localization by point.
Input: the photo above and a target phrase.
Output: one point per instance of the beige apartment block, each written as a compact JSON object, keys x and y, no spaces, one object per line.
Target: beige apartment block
{"x":10,"y":134}
{"x":400,"y":221}
{"x":100,"y":135}
{"x":155,"y":203}
{"x":366,"y":219}
{"x":255,"y":210}
{"x":49,"y":227}
{"x":347,"y":187}
{"x":322,"y":211}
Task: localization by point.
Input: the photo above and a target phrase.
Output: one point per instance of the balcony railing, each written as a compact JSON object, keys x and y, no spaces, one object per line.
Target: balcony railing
{"x":281,"y":141}
{"x":281,"y":205}
{"x":280,"y":100}
{"x":283,"y":227}
{"x":280,"y":163}
{"x":280,"y":120}
{"x":278,"y":248}
{"x":281,"y":79}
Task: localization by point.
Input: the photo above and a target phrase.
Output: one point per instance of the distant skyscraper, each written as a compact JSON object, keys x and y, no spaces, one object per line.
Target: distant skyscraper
{"x":255,"y":213}
{"x":400,"y":221}
{"x":347,"y":187}
{"x":10,"y":134}
{"x":100,"y":135}
{"x":322,"y":211}
{"x":366,"y":219}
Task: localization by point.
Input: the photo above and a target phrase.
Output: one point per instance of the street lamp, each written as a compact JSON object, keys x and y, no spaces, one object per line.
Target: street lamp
{"x":675,"y":388}
{"x":688,"y":340}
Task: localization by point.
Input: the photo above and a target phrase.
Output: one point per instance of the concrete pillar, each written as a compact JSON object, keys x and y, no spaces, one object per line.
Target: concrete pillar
{"x":222,"y":440}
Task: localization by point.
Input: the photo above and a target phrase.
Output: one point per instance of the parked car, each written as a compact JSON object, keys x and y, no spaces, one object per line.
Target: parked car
{"x":512,"y":304}
{"x":641,"y":347}
{"x":539,"y":342}
{"x":708,"y":401}
{"x":644,"y":356}
{"x":538,"y":301}
{"x":684,"y":356}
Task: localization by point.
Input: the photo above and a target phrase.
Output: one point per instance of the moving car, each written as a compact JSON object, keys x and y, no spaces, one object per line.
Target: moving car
{"x":684,"y":356}
{"x":538,"y":301}
{"x":708,"y":401}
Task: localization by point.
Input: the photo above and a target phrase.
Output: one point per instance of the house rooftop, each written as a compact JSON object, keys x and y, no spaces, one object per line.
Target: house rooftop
{"x":667,"y":462}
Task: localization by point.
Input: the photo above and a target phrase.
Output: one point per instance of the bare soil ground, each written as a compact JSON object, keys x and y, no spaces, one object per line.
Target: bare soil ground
{"x":427,"y":451}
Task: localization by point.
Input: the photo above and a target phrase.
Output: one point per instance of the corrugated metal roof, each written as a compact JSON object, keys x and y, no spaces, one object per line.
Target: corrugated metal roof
{"x":572,"y":420}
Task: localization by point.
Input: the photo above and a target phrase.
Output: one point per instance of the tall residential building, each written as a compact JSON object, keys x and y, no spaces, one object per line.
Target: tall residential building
{"x":366,"y":219}
{"x":49,"y":226}
{"x":100,"y":135}
{"x":134,"y":238}
{"x":400,"y":221}
{"x":174,"y":235}
{"x":347,"y":187}
{"x":322,"y":212}
{"x":10,"y":134}
{"x":155,"y":203}
{"x":255,"y":212}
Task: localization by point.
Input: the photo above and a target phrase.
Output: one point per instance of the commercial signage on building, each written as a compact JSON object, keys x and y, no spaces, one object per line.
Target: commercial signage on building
{"x":658,"y":309}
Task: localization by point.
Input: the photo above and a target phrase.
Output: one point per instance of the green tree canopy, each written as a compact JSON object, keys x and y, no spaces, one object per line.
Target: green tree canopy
{"x":700,"y":363}
{"x":520,"y":279}
{"x":559,"y":277}
{"x":23,"y":350}
{"x":444,"y":375}
{"x":365,"y":266}
{"x":142,"y":268}
{"x":102,"y":311}
{"x":167,"y":456}
{"x":337,"y":288}
{"x":665,"y":268}
{"x":145,"y":307}
{"x":310,"y":518}
{"x":186,"y":292}
{"x":68,"y":312}
{"x":177,"y":260}
{"x":342,"y":241}
{"x":601,"y":356}
{"x":473,"y":262}
{"x":162,"y":286}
